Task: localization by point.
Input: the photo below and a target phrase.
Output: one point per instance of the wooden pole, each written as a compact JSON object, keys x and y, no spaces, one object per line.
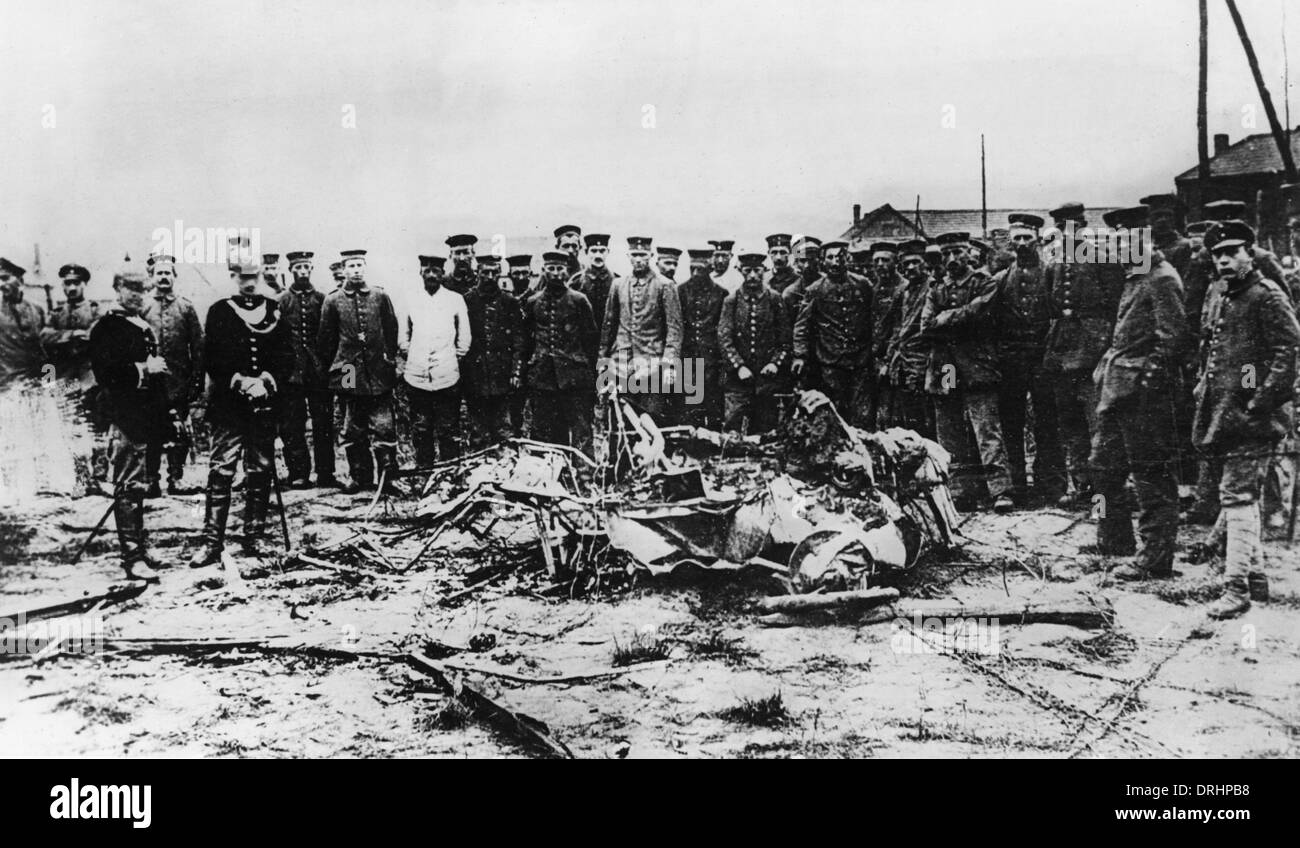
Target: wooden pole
{"x":984,"y":192}
{"x":1202,"y":129}
{"x":1283,"y":146}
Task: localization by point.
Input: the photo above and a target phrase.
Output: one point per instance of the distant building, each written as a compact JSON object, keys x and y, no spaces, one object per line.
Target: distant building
{"x":1249,"y":171}
{"x":885,"y":223}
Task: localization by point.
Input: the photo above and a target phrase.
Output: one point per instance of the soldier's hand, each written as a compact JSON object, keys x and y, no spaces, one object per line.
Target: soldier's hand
{"x":744,"y":373}
{"x":155,"y":365}
{"x":515,"y":382}
{"x":796,"y":367}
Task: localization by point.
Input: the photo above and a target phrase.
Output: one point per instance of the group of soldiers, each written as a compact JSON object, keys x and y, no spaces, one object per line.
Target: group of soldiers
{"x":995,"y":353}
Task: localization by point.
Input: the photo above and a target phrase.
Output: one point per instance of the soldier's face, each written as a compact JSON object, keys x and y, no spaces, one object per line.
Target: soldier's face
{"x":780,"y":256}
{"x":721,"y":261}
{"x":354,"y":271}
{"x":245,"y":285}
{"x":432,"y":276}
{"x":640,"y":260}
{"x":10,"y":285}
{"x":1162,"y":220}
{"x":668,"y":266}
{"x":73,"y":288}
{"x":699,"y":266}
{"x":521,"y":279}
{"x":554,"y":273}
{"x":272,"y":279}
{"x":955,"y":257}
{"x":301,"y":272}
{"x":1233,"y":261}
{"x":753,"y":276}
{"x":462,"y":256}
{"x":913,"y":267}
{"x":131,"y":296}
{"x":164,"y":277}
{"x":883,"y":263}
{"x":488,"y":272}
{"x":597,"y":254}
{"x":570,"y":243}
{"x":834,"y":262}
{"x":1293,"y":226}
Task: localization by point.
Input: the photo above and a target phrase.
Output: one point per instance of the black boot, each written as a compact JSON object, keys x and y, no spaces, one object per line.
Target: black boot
{"x":128,"y":514}
{"x":256,"y":497}
{"x":360,"y":469}
{"x":214,"y":522}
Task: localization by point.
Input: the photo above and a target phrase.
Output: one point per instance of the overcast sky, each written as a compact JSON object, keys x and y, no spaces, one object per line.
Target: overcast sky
{"x":514,"y":116}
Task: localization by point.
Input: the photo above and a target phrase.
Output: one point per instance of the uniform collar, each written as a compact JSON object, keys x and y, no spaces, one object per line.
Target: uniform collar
{"x":1237,"y":285}
{"x":363,"y":289}
{"x":164,"y":297}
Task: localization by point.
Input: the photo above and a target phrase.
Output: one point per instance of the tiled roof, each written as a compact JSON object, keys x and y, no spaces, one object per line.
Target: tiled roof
{"x":1254,"y":154}
{"x":936,"y":221}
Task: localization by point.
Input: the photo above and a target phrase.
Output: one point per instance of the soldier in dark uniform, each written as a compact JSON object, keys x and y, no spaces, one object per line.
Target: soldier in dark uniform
{"x":666,"y":261}
{"x":963,"y":376}
{"x":701,"y":303}
{"x":67,"y":340}
{"x":1176,"y":248}
{"x":904,"y":352}
{"x":438,"y":337}
{"x":596,"y":279}
{"x":463,"y":276}
{"x":782,"y":275}
{"x":336,"y":271}
{"x":834,"y":330}
{"x":358,"y":341}
{"x":129,"y":371}
{"x":22,"y":356}
{"x":1245,"y":399}
{"x":248,"y":355}
{"x":641,"y":336}
{"x":1083,"y":300}
{"x":557,"y":359}
{"x":495,"y":321}
{"x":568,"y":240}
{"x":808,"y":269}
{"x":306,"y":392}
{"x":754,"y":334}
{"x":1137,"y":381}
{"x":934,"y":261}
{"x":176,"y":325}
{"x":860,"y":262}
{"x":1203,"y":288}
{"x":521,"y":277}
{"x":1023,"y":316}
{"x":722,"y":272}
{"x":885,"y":285}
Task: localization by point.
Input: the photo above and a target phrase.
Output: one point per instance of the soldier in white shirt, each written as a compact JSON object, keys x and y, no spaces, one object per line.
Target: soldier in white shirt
{"x":437,"y":337}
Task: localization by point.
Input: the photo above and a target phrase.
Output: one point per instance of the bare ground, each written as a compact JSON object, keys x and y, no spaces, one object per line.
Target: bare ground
{"x":696,"y":674}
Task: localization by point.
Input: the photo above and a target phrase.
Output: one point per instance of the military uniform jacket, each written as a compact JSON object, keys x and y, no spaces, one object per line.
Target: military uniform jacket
{"x":300,"y":311}
{"x":782,"y":278}
{"x":358,"y":338}
{"x":21,"y":353}
{"x":906,"y":352}
{"x":495,"y":322}
{"x":754,"y":330}
{"x":1246,"y":392}
{"x":884,"y":292}
{"x":792,"y":297}
{"x":245,"y":336}
{"x":559,"y":340}
{"x":1177,"y":251}
{"x":1201,"y":279}
{"x":643,"y":320}
{"x":595,"y":286}
{"x":701,"y":303}
{"x":958,"y":321}
{"x":835,"y":324}
{"x":136,"y":403}
{"x":1023,"y":311}
{"x":176,"y":325}
{"x":1149,"y":337}
{"x":1082,"y":301}
{"x":71,"y":355}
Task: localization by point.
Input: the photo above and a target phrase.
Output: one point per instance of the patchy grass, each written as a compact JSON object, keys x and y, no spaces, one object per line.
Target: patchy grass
{"x":643,"y":647}
{"x":450,"y":714}
{"x":1110,"y":647}
{"x":850,"y":746}
{"x":1290,"y":600}
{"x":714,"y":645}
{"x":759,"y":712}
{"x":95,"y":710}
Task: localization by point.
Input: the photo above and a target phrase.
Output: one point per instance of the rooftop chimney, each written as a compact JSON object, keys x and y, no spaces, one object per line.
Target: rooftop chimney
{"x":857,"y":214}
{"x":1220,"y":143}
